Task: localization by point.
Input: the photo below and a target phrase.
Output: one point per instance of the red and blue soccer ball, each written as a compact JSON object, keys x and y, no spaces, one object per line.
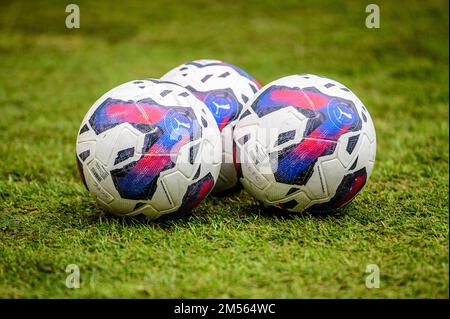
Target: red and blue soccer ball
{"x":305,"y":142}
{"x":149,"y":147}
{"x":225,"y":89}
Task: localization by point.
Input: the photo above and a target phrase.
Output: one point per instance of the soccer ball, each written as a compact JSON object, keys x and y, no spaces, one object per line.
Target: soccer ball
{"x":224,"y":88}
{"x":305,"y":142}
{"x":148,"y":147}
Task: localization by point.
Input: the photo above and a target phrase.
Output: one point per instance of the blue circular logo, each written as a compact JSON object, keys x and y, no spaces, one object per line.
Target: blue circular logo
{"x":222,"y":105}
{"x":177,"y":124}
{"x":341,"y":113}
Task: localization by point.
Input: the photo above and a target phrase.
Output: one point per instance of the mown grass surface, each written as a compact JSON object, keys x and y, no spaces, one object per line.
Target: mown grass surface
{"x":229,"y":247}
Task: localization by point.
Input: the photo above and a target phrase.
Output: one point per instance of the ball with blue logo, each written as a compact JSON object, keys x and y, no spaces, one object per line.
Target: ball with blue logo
{"x":306,"y":143}
{"x":149,"y":147}
{"x":225,"y":89}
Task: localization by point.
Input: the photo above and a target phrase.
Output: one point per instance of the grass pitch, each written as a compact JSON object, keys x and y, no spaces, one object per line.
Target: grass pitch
{"x":229,"y":247}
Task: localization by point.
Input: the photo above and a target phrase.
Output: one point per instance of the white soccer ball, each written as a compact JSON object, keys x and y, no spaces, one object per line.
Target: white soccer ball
{"x":224,"y":88}
{"x":305,"y":142}
{"x":148,"y":147}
